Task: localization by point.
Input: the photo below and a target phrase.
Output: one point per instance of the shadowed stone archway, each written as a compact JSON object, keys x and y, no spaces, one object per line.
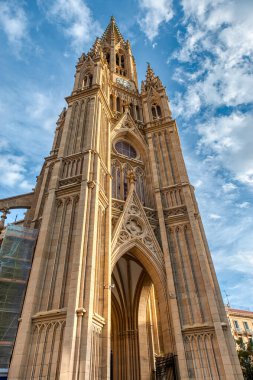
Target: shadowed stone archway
{"x":138,"y":332}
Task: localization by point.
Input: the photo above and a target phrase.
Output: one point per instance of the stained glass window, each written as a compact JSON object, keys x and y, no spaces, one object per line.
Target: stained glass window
{"x":126,"y":149}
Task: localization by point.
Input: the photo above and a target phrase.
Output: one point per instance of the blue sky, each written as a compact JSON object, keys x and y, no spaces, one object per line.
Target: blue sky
{"x":202,"y":51}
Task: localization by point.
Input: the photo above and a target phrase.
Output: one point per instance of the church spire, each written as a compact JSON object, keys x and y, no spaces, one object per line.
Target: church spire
{"x":151,"y":80}
{"x":150,"y":75}
{"x":112,"y":32}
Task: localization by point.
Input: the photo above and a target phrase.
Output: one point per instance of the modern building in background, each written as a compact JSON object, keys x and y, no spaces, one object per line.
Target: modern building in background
{"x":122,"y":284}
{"x":241,"y":323}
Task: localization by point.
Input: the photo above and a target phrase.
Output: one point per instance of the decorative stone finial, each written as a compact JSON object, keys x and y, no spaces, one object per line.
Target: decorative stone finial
{"x":112,"y":32}
{"x":132,"y":178}
{"x":82,"y":58}
{"x":150,"y":75}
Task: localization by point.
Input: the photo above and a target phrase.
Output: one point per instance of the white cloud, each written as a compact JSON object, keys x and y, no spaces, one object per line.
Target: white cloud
{"x":186,"y":106}
{"x":235,"y":271}
{"x":29,"y":116}
{"x":241,"y":261}
{"x":14,"y":23}
{"x":229,"y":187}
{"x":4,"y":144}
{"x":230,"y":139}
{"x":42,"y":108}
{"x":215,"y":216}
{"x":216,"y":56}
{"x":12,"y":171}
{"x":228,"y":228}
{"x":198,"y":183}
{"x":244,"y":205}
{"x":218,"y":40}
{"x":153,"y":14}
{"x":75,"y":18}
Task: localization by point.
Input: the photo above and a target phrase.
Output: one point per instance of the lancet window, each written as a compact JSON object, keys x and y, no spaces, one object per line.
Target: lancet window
{"x":156,"y":111}
{"x":138,"y":112}
{"x":117,"y":59}
{"x":120,"y":181}
{"x":87,"y":81}
{"x":111,"y":102}
{"x":118,"y":104}
{"x":120,"y":64}
{"x":121,"y":168}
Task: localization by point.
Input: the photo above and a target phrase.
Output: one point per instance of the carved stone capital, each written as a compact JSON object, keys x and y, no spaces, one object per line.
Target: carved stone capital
{"x":80,"y":312}
{"x":91,"y":184}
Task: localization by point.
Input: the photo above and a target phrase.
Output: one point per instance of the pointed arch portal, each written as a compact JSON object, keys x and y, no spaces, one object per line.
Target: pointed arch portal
{"x":140,"y":322}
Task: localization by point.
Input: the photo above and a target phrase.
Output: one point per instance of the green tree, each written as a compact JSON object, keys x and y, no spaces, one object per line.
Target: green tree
{"x":245,"y":354}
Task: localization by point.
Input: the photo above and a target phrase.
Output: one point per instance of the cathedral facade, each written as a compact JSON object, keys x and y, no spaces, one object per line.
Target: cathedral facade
{"x":122,"y":284}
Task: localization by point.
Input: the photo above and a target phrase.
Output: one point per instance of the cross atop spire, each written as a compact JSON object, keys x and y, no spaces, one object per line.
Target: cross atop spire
{"x":112,"y":32}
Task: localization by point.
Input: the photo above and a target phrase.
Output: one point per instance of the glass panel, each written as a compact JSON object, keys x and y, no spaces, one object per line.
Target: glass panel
{"x":246,"y":326}
{"x":236,"y":324}
{"x":126,"y":149}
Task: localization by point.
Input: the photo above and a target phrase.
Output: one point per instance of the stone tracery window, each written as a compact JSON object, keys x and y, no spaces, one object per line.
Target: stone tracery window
{"x":120,"y":174}
{"x":120,"y":181}
{"x":124,"y":148}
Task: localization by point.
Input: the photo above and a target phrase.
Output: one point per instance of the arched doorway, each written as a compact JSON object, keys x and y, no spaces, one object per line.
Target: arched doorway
{"x":136,"y":328}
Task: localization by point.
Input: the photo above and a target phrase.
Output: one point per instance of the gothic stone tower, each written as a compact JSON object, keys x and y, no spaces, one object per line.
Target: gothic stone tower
{"x":122,"y":275}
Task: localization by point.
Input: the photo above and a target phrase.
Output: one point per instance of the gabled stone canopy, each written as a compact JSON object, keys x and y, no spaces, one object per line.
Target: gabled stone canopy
{"x":134,"y":225}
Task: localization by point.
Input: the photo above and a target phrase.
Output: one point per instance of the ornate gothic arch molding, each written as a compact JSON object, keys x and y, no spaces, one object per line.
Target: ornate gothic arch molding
{"x":152,"y":265}
{"x":156,"y":273}
{"x":127,"y":129}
